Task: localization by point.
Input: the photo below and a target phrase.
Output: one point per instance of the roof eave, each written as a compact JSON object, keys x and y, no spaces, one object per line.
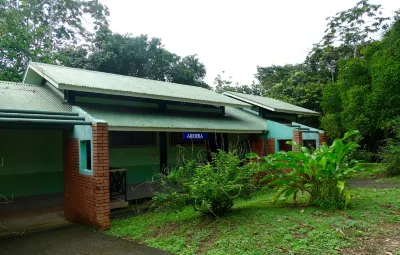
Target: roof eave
{"x":38,"y":71}
{"x":248,"y":101}
{"x":133,"y":94}
{"x":299,"y":112}
{"x":269,"y":108}
{"x":161,"y":129}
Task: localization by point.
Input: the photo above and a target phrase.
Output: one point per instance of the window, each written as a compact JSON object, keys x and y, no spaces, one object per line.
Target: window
{"x":177,"y":139}
{"x":85,"y":155}
{"x":132,"y":139}
{"x":283,"y":146}
{"x":310,"y":144}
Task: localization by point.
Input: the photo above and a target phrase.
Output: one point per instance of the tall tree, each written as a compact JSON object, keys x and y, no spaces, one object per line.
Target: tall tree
{"x":138,"y":56}
{"x":366,"y":96}
{"x":355,"y":26}
{"x":34,"y":29}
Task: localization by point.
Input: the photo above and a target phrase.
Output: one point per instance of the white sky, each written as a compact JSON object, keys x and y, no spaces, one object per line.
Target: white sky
{"x":232,"y":36}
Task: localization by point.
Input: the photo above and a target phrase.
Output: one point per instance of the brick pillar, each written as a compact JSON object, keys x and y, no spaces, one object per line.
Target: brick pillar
{"x":271,"y":146}
{"x":257,"y":145}
{"x":321,"y":138}
{"x":86,"y":197}
{"x":298,"y":138}
{"x":101,"y":172}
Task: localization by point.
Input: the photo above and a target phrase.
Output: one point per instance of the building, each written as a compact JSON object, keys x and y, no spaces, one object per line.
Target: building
{"x":282,"y":123}
{"x":94,"y":140}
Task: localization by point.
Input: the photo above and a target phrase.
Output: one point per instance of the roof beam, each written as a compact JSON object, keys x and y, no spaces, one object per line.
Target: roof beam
{"x":37,"y":112}
{"x":39,"y":116}
{"x":43,"y":121}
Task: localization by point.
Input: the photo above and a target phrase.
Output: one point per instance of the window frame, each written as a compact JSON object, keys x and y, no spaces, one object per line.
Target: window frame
{"x":154,"y":144}
{"x":85,"y":157}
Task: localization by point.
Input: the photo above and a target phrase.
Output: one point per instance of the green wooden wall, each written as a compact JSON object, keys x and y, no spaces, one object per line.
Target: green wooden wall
{"x":143,"y":163}
{"x":32,"y":162}
{"x":138,"y":161}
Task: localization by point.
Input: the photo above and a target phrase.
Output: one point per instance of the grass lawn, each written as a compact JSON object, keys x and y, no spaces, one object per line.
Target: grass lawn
{"x":371,"y":226}
{"x":377,"y":170}
{"x":389,"y":179}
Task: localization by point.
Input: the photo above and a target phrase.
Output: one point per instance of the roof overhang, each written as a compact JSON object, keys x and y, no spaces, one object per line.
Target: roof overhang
{"x":80,"y":88}
{"x":140,"y":95}
{"x":269,"y":108}
{"x":131,"y":119}
{"x":152,"y":129}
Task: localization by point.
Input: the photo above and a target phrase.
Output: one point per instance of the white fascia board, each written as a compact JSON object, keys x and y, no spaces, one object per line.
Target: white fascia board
{"x":49,"y":79}
{"x":249,"y":101}
{"x":270,"y":108}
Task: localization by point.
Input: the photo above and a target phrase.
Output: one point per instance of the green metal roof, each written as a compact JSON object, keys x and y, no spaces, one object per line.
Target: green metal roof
{"x":234,"y":121}
{"x":20,"y":97}
{"x":270,"y":104}
{"x":106,"y":83}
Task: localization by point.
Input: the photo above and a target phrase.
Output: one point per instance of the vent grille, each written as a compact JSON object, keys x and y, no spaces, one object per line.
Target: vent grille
{"x":18,"y":236}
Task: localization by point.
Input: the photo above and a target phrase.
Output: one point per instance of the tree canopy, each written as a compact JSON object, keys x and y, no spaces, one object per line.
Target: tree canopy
{"x":75,"y":33}
{"x":367,"y":94}
{"x":34,"y":29}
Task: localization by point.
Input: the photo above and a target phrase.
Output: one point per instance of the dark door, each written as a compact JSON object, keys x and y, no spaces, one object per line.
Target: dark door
{"x":215,"y":142}
{"x":163,"y":152}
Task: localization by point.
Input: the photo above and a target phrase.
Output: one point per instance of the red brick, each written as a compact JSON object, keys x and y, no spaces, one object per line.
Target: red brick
{"x":86,"y":198}
{"x":322,"y":138}
{"x":297,"y":138}
{"x":271,"y":146}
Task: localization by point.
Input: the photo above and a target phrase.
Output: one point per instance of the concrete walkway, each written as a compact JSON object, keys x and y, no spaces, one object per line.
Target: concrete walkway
{"x":371,"y":183}
{"x":80,"y":240}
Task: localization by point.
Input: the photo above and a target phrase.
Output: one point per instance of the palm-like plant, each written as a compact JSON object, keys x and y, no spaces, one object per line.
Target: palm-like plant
{"x":321,"y":173}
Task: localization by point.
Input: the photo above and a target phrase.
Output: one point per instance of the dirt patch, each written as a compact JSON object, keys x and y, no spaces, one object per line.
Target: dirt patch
{"x":208,"y":242}
{"x":387,"y":242}
{"x":165,"y":229}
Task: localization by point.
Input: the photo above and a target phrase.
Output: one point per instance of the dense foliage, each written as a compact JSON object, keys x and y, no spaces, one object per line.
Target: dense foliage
{"x":321,"y":173}
{"x":390,"y":153}
{"x":210,"y":188}
{"x":367,"y":94}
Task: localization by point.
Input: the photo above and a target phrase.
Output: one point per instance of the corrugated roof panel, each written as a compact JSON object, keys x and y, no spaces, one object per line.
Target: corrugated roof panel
{"x":234,"y":120}
{"x":271,"y":104}
{"x":91,"y":81}
{"x":18,"y":96}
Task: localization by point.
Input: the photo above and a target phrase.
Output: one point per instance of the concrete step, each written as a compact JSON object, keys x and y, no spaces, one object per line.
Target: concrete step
{"x":116,"y":204}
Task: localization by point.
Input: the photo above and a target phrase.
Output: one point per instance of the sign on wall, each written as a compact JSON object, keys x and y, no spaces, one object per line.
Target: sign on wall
{"x":194,"y":136}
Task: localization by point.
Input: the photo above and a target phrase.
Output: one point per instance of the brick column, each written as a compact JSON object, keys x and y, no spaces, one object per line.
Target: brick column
{"x":257,"y":145}
{"x":297,"y":138}
{"x":101,"y":171}
{"x":271,"y":146}
{"x":321,"y":138}
{"x":86,"y":197}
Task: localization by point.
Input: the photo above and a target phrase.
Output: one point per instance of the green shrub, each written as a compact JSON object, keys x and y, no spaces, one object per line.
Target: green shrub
{"x":362,"y":156}
{"x":390,"y":153}
{"x":321,"y":173}
{"x":210,"y":188}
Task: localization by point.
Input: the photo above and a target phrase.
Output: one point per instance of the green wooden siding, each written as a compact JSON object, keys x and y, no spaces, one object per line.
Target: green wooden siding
{"x":32,"y":162}
{"x":143,"y":163}
{"x":138,"y":161}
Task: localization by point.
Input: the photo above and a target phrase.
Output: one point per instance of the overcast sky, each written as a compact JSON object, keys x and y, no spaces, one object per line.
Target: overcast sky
{"x":232,"y":36}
